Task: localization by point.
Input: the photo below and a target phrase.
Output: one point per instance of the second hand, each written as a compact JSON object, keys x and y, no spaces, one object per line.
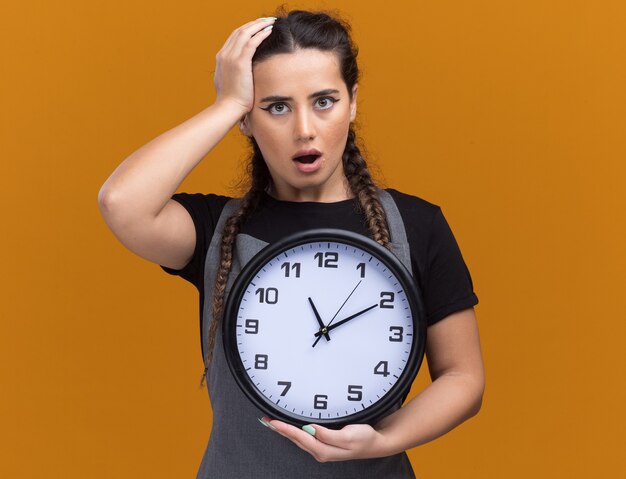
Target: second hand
{"x":340,"y":307}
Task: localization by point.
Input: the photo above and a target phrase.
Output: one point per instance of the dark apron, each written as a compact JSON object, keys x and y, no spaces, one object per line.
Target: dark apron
{"x":239,"y":446}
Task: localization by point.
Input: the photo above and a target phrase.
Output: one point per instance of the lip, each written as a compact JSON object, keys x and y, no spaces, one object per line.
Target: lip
{"x":311,"y":151}
{"x":309,"y":168}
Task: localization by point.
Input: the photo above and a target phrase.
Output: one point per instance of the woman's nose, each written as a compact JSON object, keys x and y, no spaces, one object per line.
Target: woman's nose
{"x":304,"y":129}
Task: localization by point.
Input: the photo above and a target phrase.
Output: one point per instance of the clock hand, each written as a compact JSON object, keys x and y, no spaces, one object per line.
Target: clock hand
{"x":330,"y":328}
{"x":319,"y":320}
{"x":340,"y":307}
{"x":333,"y":318}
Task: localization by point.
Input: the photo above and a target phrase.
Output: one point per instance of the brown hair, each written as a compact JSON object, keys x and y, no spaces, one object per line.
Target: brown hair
{"x":293,"y":30}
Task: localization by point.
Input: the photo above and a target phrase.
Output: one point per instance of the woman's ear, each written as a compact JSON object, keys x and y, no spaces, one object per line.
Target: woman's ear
{"x":243,"y":126}
{"x":355,"y":89}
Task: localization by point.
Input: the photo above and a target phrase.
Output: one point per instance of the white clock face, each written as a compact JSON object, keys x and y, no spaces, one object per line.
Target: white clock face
{"x":314,"y":373}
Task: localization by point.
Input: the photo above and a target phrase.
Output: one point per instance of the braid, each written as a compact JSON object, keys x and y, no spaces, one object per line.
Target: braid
{"x":260,"y":180}
{"x":361,"y":185}
{"x":364,"y":188}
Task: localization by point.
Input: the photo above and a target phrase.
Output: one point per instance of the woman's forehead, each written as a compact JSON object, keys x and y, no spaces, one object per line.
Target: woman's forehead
{"x":303,"y":71}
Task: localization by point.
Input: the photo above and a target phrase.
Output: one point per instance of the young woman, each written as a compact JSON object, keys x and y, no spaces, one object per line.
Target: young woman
{"x":291,"y":85}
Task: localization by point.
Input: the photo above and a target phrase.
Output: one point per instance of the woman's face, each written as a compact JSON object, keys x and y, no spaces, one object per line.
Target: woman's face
{"x":302,"y":107}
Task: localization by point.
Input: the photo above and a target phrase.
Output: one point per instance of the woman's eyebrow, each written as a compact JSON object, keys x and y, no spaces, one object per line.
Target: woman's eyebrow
{"x":328,"y":91}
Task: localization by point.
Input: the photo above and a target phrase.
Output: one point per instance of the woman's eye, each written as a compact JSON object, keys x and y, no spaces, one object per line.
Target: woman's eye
{"x":325,"y":103}
{"x":277,"y":109}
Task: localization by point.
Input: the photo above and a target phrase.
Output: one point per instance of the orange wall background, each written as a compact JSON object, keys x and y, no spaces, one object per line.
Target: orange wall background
{"x":509,"y":115}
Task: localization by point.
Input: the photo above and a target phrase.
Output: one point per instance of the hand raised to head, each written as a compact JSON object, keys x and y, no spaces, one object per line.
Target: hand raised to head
{"x":233,"y":70}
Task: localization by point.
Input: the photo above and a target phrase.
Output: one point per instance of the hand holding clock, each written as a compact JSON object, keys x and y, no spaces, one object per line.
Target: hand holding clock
{"x":354,"y":441}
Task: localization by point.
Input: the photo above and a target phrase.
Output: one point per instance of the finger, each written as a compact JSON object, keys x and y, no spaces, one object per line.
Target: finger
{"x":353,"y":437}
{"x":243,"y":34}
{"x":251,"y":45}
{"x":302,"y":439}
{"x":320,"y":450}
{"x":332,"y":437}
{"x":236,"y":31}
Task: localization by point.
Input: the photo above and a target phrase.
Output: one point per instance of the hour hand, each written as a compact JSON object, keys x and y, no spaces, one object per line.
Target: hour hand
{"x":349,"y":318}
{"x":323,"y":330}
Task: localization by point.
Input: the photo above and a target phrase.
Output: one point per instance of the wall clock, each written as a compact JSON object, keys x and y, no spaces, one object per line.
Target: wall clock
{"x":324,"y":326}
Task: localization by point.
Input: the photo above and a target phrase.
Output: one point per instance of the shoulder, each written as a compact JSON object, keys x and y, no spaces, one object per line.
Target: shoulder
{"x":209,"y":201}
{"x":202,"y":207}
{"x":413,"y":209}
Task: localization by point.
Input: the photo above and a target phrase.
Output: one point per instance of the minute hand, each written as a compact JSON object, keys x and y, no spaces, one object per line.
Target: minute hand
{"x":339,"y":323}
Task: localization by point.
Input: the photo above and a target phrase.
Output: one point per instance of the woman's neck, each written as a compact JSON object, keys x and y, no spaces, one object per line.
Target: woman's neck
{"x":317,"y":195}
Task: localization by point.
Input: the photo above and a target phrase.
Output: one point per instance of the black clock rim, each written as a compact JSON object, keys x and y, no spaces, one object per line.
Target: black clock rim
{"x":379,"y":409}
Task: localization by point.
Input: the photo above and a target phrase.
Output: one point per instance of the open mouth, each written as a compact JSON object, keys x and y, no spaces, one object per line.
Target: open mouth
{"x":306,"y":159}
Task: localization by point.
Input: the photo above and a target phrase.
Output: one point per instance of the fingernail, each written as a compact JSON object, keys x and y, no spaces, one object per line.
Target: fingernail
{"x":266,"y":424}
{"x":268,"y":18}
{"x":268,"y":28}
{"x":309,"y":429}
